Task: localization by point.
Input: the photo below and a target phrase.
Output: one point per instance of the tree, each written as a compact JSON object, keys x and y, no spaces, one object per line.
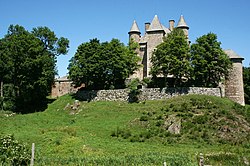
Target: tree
{"x":29,"y":59}
{"x":172,"y":57}
{"x":209,"y":61}
{"x":103,"y":65}
{"x":246,"y":80}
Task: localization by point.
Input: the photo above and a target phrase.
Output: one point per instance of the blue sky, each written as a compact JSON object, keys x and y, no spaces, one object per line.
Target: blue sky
{"x":81,"y":20}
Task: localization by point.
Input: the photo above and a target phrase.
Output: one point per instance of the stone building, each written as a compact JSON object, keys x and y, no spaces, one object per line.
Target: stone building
{"x":63,"y":86}
{"x":154,"y":33}
{"x":153,"y":36}
{"x":234,"y":88}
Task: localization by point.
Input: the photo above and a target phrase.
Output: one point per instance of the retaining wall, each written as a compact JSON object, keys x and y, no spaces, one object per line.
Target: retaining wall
{"x":146,"y":94}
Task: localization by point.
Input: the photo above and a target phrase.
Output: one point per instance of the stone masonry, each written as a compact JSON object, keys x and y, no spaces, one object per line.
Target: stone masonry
{"x":234,"y":88}
{"x":63,"y":86}
{"x":146,"y":94}
{"x":154,"y":33}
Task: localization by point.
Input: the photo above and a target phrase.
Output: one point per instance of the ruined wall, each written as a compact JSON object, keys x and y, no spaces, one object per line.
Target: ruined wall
{"x":146,"y":94}
{"x":61,"y":88}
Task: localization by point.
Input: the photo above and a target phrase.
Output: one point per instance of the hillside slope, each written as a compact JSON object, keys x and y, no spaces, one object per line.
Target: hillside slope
{"x":70,"y":132}
{"x":192,"y":119}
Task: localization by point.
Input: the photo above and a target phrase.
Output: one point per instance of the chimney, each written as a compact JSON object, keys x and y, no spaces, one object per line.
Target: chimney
{"x":171,"y":25}
{"x":147,"y":24}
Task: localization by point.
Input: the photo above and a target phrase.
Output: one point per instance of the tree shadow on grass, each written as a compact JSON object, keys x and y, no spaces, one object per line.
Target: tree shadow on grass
{"x":85,"y":95}
{"x":37,"y":106}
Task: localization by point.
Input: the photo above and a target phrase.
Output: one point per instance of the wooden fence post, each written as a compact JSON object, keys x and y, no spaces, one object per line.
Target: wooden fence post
{"x":32,"y":154}
{"x":201,"y":162}
{"x":1,"y":89}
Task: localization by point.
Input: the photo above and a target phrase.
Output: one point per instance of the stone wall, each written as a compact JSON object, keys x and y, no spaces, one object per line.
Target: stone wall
{"x":61,"y":88}
{"x":146,"y":94}
{"x":103,"y":95}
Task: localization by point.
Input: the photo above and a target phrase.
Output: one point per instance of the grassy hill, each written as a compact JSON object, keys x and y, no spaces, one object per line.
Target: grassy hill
{"x":148,"y":133}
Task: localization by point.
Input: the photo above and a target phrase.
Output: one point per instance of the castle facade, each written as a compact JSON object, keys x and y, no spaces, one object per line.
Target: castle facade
{"x":154,"y":33}
{"x":233,"y":87}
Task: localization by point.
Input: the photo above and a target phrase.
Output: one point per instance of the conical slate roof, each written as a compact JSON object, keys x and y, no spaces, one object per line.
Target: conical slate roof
{"x":134,"y":27}
{"x":155,"y":25}
{"x":182,"y":23}
{"x":232,"y":54}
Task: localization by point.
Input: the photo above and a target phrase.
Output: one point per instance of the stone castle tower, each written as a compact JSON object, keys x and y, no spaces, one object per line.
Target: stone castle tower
{"x":234,"y":88}
{"x":154,"y":33}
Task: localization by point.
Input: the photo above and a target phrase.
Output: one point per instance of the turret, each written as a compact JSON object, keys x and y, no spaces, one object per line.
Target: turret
{"x":183,"y":25}
{"x":234,"y":88}
{"x":134,"y":32}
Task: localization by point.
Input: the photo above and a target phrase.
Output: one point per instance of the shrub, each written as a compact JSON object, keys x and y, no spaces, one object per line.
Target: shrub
{"x":13,"y":152}
{"x":146,"y":134}
{"x":159,"y":123}
{"x":134,"y":90}
{"x":200,"y":119}
{"x":124,"y":133}
{"x":185,"y":107}
{"x":146,"y":81}
{"x":144,"y":118}
{"x":135,"y":138}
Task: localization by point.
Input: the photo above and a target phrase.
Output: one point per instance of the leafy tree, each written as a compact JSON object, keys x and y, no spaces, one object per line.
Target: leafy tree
{"x":246,"y":78}
{"x":209,"y":61}
{"x":172,"y":57}
{"x":103,"y":65}
{"x":29,"y":64}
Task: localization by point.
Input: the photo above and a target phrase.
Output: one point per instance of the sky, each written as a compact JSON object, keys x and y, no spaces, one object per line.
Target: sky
{"x":82,"y":20}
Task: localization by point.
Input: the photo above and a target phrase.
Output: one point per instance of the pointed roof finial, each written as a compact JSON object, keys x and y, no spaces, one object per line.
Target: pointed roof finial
{"x":182,"y":23}
{"x":155,"y":25}
{"x":134,"y":27}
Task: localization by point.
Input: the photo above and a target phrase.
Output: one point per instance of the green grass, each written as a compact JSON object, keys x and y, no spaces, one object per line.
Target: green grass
{"x":84,"y":136}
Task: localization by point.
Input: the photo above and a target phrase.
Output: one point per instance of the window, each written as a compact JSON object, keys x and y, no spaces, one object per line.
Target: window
{"x":142,"y":48}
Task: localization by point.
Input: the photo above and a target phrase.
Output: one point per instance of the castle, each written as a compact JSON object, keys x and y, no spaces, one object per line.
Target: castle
{"x":154,"y":33}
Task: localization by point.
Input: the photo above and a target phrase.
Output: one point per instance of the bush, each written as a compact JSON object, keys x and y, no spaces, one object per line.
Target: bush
{"x":135,"y":138}
{"x":13,"y":152}
{"x":134,"y":90}
{"x":185,"y":107}
{"x":124,"y":133}
{"x":144,"y":118}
